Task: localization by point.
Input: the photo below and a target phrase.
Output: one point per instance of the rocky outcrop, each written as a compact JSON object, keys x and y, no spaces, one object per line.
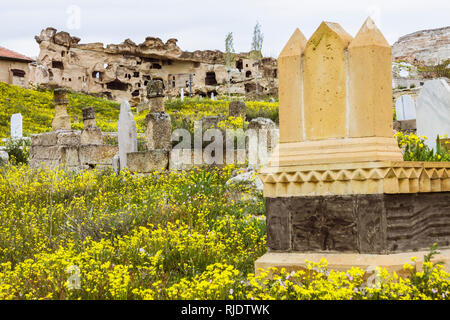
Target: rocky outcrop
{"x":428,"y":47}
{"x":122,"y":71}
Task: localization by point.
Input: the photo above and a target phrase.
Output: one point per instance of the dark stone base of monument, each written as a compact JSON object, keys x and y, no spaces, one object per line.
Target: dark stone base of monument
{"x":372,"y":224}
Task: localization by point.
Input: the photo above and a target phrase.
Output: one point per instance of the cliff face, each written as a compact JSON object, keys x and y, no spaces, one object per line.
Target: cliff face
{"x":122,"y":71}
{"x":428,"y":47}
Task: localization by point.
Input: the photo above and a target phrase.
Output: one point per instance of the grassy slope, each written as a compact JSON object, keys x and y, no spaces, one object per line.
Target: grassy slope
{"x":37,"y":109}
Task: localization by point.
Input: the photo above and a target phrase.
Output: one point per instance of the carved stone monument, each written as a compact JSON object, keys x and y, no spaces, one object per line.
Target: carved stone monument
{"x":337,"y":186}
{"x":61,"y":121}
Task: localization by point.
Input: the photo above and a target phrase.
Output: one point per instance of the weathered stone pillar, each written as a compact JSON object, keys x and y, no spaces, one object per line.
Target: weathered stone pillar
{"x":158,"y":134}
{"x":91,"y":134}
{"x":159,"y":126}
{"x":159,"y":131}
{"x":155,"y":95}
{"x":61,"y":121}
{"x":337,"y":181}
{"x":127,"y":135}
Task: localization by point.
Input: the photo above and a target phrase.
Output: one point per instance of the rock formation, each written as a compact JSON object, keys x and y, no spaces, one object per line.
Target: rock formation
{"x":122,"y":71}
{"x":429,"y":47}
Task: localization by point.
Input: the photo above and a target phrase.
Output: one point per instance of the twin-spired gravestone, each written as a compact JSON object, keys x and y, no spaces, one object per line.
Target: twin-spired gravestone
{"x":16,"y":126}
{"x":433,"y":111}
{"x":405,"y":108}
{"x":127,"y":136}
{"x":336,"y":186}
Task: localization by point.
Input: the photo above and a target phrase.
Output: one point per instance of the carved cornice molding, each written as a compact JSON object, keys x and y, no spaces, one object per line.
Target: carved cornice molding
{"x":356,"y":178}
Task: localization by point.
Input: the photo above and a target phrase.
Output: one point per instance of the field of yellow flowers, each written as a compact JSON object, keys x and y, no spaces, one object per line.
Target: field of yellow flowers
{"x":171,"y":235}
{"x":37,"y":109}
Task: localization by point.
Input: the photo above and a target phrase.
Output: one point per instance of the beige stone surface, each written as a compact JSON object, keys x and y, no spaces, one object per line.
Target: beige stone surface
{"x":44,"y":139}
{"x":70,"y":156}
{"x":370,"y":79}
{"x":346,"y":117}
{"x":159,"y":131}
{"x":95,"y":155}
{"x":61,"y":123}
{"x":46,"y":152}
{"x":345,"y":261}
{"x":68,"y":138}
{"x":325,"y":83}
{"x":290,"y":91}
{"x":356,"y":178}
{"x":156,"y":104}
{"x":147,"y":161}
{"x":92,"y":136}
{"x":335,"y":151}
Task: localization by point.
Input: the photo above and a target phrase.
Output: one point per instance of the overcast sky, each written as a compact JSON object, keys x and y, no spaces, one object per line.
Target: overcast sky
{"x":201,"y":24}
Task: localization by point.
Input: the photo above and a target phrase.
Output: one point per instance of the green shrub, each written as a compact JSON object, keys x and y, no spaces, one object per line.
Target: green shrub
{"x":18,"y":151}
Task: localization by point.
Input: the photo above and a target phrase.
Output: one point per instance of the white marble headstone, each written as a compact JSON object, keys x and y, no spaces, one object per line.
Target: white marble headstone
{"x":405,"y":108}
{"x":127,"y":136}
{"x":433,"y":111}
{"x":212,"y":96}
{"x":182,"y":94}
{"x":16,"y":126}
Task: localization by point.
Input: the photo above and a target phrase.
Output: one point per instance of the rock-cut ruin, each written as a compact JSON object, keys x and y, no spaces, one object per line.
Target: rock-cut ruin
{"x":122,"y":71}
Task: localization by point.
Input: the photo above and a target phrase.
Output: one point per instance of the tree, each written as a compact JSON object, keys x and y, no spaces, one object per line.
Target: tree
{"x":229,"y":57}
{"x":256,"y":53}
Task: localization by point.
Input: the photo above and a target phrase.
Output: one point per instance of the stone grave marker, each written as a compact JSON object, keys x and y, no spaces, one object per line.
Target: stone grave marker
{"x":405,"y":108}
{"x":16,"y":126}
{"x":337,"y":183}
{"x":127,"y":135}
{"x":433,"y":111}
{"x":182,"y":94}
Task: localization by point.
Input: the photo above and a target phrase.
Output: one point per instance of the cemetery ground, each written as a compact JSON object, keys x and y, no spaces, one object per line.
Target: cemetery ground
{"x":169,"y":235}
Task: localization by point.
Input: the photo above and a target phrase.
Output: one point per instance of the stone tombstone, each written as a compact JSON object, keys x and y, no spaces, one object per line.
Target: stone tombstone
{"x":91,"y":134}
{"x":182,"y":94}
{"x":212,"y":96}
{"x":336,"y":183}
{"x":61,"y":121}
{"x":127,"y":135}
{"x":237,"y":109}
{"x":16,"y":126}
{"x":433,"y":111}
{"x":405,"y":108}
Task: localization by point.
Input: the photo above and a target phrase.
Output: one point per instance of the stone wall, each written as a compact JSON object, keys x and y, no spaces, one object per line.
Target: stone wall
{"x":64,"y":148}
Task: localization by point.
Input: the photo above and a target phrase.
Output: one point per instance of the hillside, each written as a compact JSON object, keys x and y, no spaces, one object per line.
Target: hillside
{"x":37,"y":110}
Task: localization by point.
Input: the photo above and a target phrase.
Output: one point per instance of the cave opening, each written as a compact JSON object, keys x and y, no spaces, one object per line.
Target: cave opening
{"x":117,"y":85}
{"x":239,"y":64}
{"x":210,"y":79}
{"x":57,"y":65}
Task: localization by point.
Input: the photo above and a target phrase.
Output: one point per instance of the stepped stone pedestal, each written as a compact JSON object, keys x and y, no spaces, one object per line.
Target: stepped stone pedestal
{"x":336,"y":186}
